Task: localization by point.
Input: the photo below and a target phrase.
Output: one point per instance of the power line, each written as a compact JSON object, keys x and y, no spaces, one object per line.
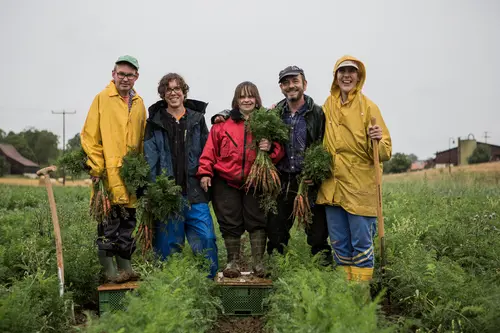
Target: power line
{"x":64,"y":113}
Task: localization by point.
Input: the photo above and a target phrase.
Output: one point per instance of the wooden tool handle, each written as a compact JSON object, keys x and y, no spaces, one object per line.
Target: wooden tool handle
{"x":46,"y":170}
{"x":55,"y":223}
{"x":378,"y":182}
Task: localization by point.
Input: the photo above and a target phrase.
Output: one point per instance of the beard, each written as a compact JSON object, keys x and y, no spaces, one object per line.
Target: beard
{"x":296,"y":98}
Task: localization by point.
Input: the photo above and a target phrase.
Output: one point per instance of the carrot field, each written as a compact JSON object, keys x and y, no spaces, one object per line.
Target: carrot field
{"x":442,"y":274}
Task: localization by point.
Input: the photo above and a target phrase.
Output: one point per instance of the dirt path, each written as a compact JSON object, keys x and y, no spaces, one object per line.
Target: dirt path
{"x":239,"y":325}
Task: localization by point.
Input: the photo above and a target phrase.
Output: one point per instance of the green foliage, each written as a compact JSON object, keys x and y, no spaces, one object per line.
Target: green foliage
{"x":74,"y":143}
{"x":317,"y":164}
{"x":74,"y":162}
{"x":311,"y":298}
{"x":134,"y":171}
{"x":443,"y":259}
{"x":481,"y":154}
{"x":4,"y":166}
{"x":162,"y":199}
{"x":413,"y":157}
{"x":33,"y":304}
{"x":398,"y":163}
{"x":267,"y":124}
{"x":443,"y":252}
{"x":27,"y":245}
{"x":43,"y":143}
{"x":176,"y":298}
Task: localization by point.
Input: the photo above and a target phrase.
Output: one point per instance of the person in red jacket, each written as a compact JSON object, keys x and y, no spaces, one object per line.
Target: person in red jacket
{"x":224,"y":165}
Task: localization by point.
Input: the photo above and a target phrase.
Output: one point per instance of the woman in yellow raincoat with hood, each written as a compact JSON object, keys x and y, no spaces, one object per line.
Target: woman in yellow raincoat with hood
{"x":350,"y":195}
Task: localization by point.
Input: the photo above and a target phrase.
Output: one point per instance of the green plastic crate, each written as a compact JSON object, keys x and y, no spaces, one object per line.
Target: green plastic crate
{"x":111,"y":297}
{"x":243,"y":296}
{"x":243,"y":300}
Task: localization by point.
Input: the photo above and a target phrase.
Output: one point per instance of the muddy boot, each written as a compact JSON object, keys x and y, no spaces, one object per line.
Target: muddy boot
{"x":108,"y":265}
{"x":232,"y":269}
{"x":258,"y":246}
{"x":126,"y":273}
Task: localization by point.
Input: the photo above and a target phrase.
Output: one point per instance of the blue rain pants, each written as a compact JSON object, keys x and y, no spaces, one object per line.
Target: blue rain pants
{"x":197,"y":227}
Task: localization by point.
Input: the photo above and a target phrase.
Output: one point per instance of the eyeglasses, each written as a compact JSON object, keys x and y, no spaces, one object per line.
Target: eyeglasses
{"x":176,"y":90}
{"x":129,"y":76}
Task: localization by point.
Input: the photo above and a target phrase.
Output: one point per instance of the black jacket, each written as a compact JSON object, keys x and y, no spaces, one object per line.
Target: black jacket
{"x":315,"y":120}
{"x":157,"y":148}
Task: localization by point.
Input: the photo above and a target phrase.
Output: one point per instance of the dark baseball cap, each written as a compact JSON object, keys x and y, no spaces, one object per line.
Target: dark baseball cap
{"x":290,"y":71}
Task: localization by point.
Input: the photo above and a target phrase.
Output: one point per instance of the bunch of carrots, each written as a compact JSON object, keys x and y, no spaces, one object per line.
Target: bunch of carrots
{"x":162,"y":200}
{"x":263,"y":176}
{"x":316,"y":168}
{"x":74,"y":162}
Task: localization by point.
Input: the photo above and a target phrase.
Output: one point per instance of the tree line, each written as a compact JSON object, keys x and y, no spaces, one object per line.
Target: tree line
{"x":39,"y":146}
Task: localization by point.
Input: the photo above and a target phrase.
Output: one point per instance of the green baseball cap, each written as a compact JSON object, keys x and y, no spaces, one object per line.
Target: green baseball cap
{"x":128,"y":59}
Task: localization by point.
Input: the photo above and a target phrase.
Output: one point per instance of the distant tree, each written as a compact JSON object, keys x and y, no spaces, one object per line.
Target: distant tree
{"x":19,"y":142}
{"x":4,"y":166}
{"x":413,"y":157}
{"x":43,"y":144}
{"x":74,"y":143}
{"x":2,"y":135}
{"x":398,"y":163}
{"x":480,"y":155}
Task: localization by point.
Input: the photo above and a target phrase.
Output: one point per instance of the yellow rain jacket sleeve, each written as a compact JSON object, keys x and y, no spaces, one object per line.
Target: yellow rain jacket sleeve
{"x":109,"y":131}
{"x":346,"y":136}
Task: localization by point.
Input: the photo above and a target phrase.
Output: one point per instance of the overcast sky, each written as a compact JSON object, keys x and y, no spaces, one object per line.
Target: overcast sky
{"x":432,"y":66}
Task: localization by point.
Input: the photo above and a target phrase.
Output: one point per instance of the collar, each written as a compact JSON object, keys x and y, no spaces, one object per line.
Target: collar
{"x":114,"y":92}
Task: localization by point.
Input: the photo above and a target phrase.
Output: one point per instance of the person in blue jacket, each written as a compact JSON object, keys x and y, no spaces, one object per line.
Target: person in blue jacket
{"x":175,"y":136}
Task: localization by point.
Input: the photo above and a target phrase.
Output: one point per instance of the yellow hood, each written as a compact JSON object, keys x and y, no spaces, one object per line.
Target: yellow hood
{"x":335,"y":89}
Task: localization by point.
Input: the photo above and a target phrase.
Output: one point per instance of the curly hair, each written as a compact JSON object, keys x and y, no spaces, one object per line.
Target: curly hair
{"x":249,"y":89}
{"x":165,"y":80}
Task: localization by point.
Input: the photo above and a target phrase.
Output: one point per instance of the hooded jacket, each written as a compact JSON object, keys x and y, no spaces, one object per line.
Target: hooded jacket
{"x":157,"y":147}
{"x":346,"y":136}
{"x":228,"y":152}
{"x":110,"y":129}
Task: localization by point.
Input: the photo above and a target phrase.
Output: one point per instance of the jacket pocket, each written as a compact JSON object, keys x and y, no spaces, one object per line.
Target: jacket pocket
{"x":363,"y":179}
{"x":116,"y":186}
{"x":225,"y":149}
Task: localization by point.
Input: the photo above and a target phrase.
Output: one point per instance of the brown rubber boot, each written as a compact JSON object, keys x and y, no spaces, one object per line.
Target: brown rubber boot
{"x":232,"y":269}
{"x":258,"y":246}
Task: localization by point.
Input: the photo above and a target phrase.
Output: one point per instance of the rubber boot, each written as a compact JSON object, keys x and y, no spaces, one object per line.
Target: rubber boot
{"x":233,"y":245}
{"x":109,"y":266}
{"x":126,"y":273}
{"x":258,"y":246}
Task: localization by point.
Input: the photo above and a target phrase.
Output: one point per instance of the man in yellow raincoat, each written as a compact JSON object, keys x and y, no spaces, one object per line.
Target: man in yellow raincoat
{"x":115,"y":123}
{"x":350,"y":195}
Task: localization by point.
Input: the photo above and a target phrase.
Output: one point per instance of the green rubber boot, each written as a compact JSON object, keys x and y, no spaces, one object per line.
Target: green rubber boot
{"x":232,"y":269}
{"x":126,"y":273}
{"x":109,"y":266}
{"x":258,"y":247}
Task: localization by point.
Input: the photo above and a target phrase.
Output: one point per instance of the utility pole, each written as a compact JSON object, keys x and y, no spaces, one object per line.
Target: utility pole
{"x":64,"y":113}
{"x":486,"y":136}
{"x":450,"y":142}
